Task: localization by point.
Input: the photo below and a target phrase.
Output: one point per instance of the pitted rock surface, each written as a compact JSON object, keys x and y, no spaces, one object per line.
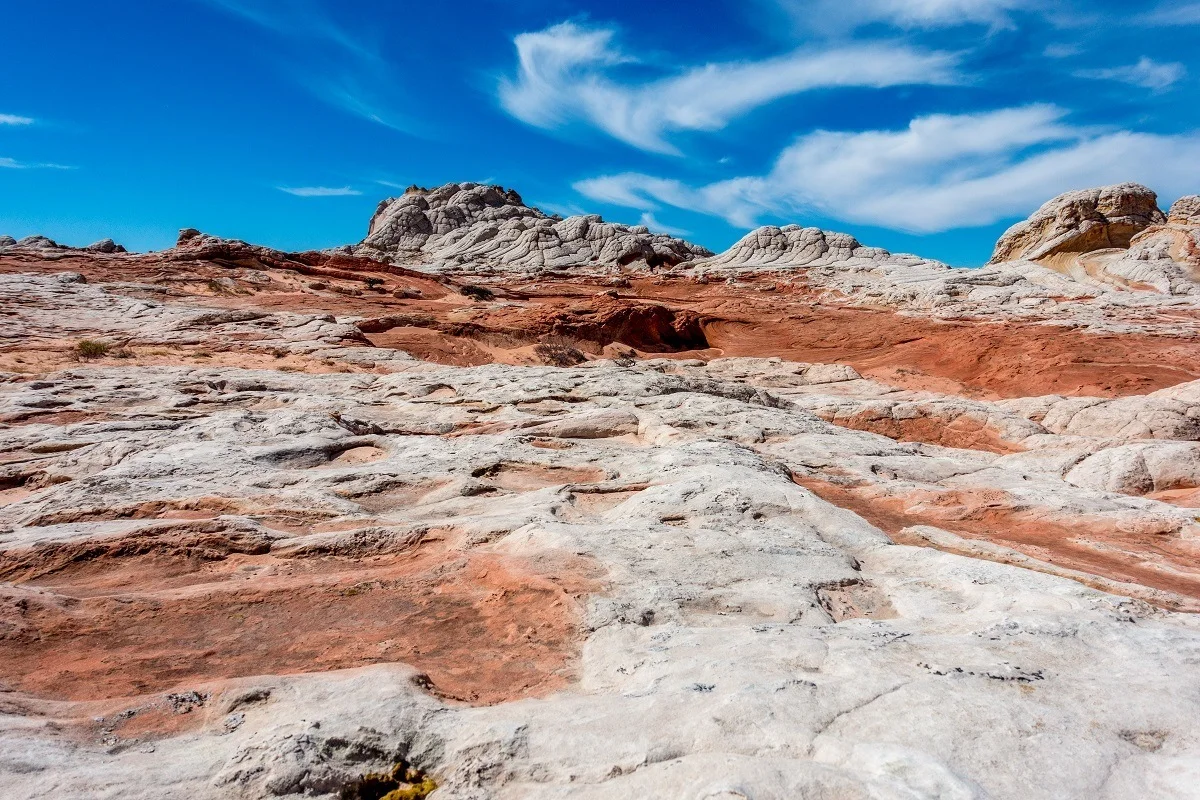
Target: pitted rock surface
{"x":1080,"y":222}
{"x":793,"y":247}
{"x":1185,"y":211}
{"x":842,"y":524}
{"x":471,"y":224}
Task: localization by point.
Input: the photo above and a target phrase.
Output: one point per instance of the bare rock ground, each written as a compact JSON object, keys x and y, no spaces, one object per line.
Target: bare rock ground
{"x":293,"y":519}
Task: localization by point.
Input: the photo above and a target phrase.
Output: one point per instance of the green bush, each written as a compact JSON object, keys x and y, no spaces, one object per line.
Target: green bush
{"x":87,"y":349}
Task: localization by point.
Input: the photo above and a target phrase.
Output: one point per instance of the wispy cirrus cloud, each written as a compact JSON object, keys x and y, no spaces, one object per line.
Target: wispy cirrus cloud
{"x":340,"y":67}
{"x":835,"y":16}
{"x":658,"y":227}
{"x":14,"y":119}
{"x":12,"y":163}
{"x":1146,"y":73}
{"x":1170,"y":14}
{"x":939,"y":173}
{"x":320,"y":191}
{"x":564,"y":75}
{"x":304,"y":19}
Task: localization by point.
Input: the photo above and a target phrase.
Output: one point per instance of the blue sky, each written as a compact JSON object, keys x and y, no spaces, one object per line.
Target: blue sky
{"x":923,"y":126}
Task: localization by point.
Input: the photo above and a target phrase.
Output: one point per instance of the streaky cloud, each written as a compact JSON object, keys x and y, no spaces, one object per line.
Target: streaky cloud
{"x":939,"y":173}
{"x":563,"y":75}
{"x":320,"y":191}
{"x":12,"y":163}
{"x":1146,"y":74}
{"x":840,"y":16}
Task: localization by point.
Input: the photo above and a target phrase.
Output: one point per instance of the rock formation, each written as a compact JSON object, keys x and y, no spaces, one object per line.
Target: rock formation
{"x":793,"y":247}
{"x":1080,"y":222}
{"x":105,"y":246}
{"x":1185,"y":211}
{"x":43,"y":243}
{"x":470,"y":224}
{"x":1113,"y":237}
{"x":806,"y":519}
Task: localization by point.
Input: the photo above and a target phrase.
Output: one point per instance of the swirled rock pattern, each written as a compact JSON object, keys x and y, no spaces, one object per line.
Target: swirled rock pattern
{"x":810,"y":520}
{"x":1080,"y":222}
{"x":470,"y":225}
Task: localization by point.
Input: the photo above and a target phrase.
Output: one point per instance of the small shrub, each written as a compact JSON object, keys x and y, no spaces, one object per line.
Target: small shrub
{"x":571,"y":343}
{"x":87,"y":349}
{"x":404,"y":782}
{"x":558,"y":355}
{"x":500,"y":339}
{"x":476,"y":292}
{"x":123,"y":352}
{"x":201,"y":354}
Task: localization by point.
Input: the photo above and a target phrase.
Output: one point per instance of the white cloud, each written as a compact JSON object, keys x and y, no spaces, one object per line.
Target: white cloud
{"x":299,"y":19}
{"x":563,"y":75}
{"x":833,"y":16}
{"x":1062,"y":50}
{"x":13,"y":119}
{"x":12,"y":163}
{"x":939,"y":173}
{"x":320,"y":191}
{"x":657,"y":227}
{"x":339,"y":67}
{"x":1170,"y":14}
{"x":1146,"y":73}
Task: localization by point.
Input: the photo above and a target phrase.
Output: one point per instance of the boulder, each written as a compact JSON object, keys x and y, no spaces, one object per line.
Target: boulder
{"x":1080,"y":222}
{"x":1185,"y":211}
{"x":39,"y":243}
{"x":105,"y":246}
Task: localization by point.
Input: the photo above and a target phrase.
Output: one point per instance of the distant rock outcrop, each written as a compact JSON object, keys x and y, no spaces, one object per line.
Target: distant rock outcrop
{"x":39,"y":243}
{"x":195,"y":246}
{"x":105,"y":246}
{"x":1185,"y":211}
{"x":1114,"y":236}
{"x":794,"y":246}
{"x":468,"y":223}
{"x":44,"y":243}
{"x":1080,"y":222}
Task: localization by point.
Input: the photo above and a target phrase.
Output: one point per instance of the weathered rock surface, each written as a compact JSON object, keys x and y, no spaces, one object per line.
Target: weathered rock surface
{"x":793,"y":247}
{"x":43,"y":243}
{"x":843,"y":525}
{"x":1185,"y":211}
{"x":1110,"y":244}
{"x":1080,"y":222}
{"x":105,"y":246}
{"x":1112,"y":237}
{"x":488,"y":226}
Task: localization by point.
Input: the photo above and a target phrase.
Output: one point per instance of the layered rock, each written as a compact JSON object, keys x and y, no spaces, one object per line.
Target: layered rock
{"x":793,"y":247}
{"x":1185,"y":211}
{"x":471,"y":224}
{"x":1091,"y":242}
{"x":44,"y":243}
{"x":1080,"y":222}
{"x":654,"y":577}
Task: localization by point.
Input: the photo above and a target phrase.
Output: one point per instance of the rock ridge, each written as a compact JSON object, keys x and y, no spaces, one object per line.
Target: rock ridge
{"x":458,"y":224}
